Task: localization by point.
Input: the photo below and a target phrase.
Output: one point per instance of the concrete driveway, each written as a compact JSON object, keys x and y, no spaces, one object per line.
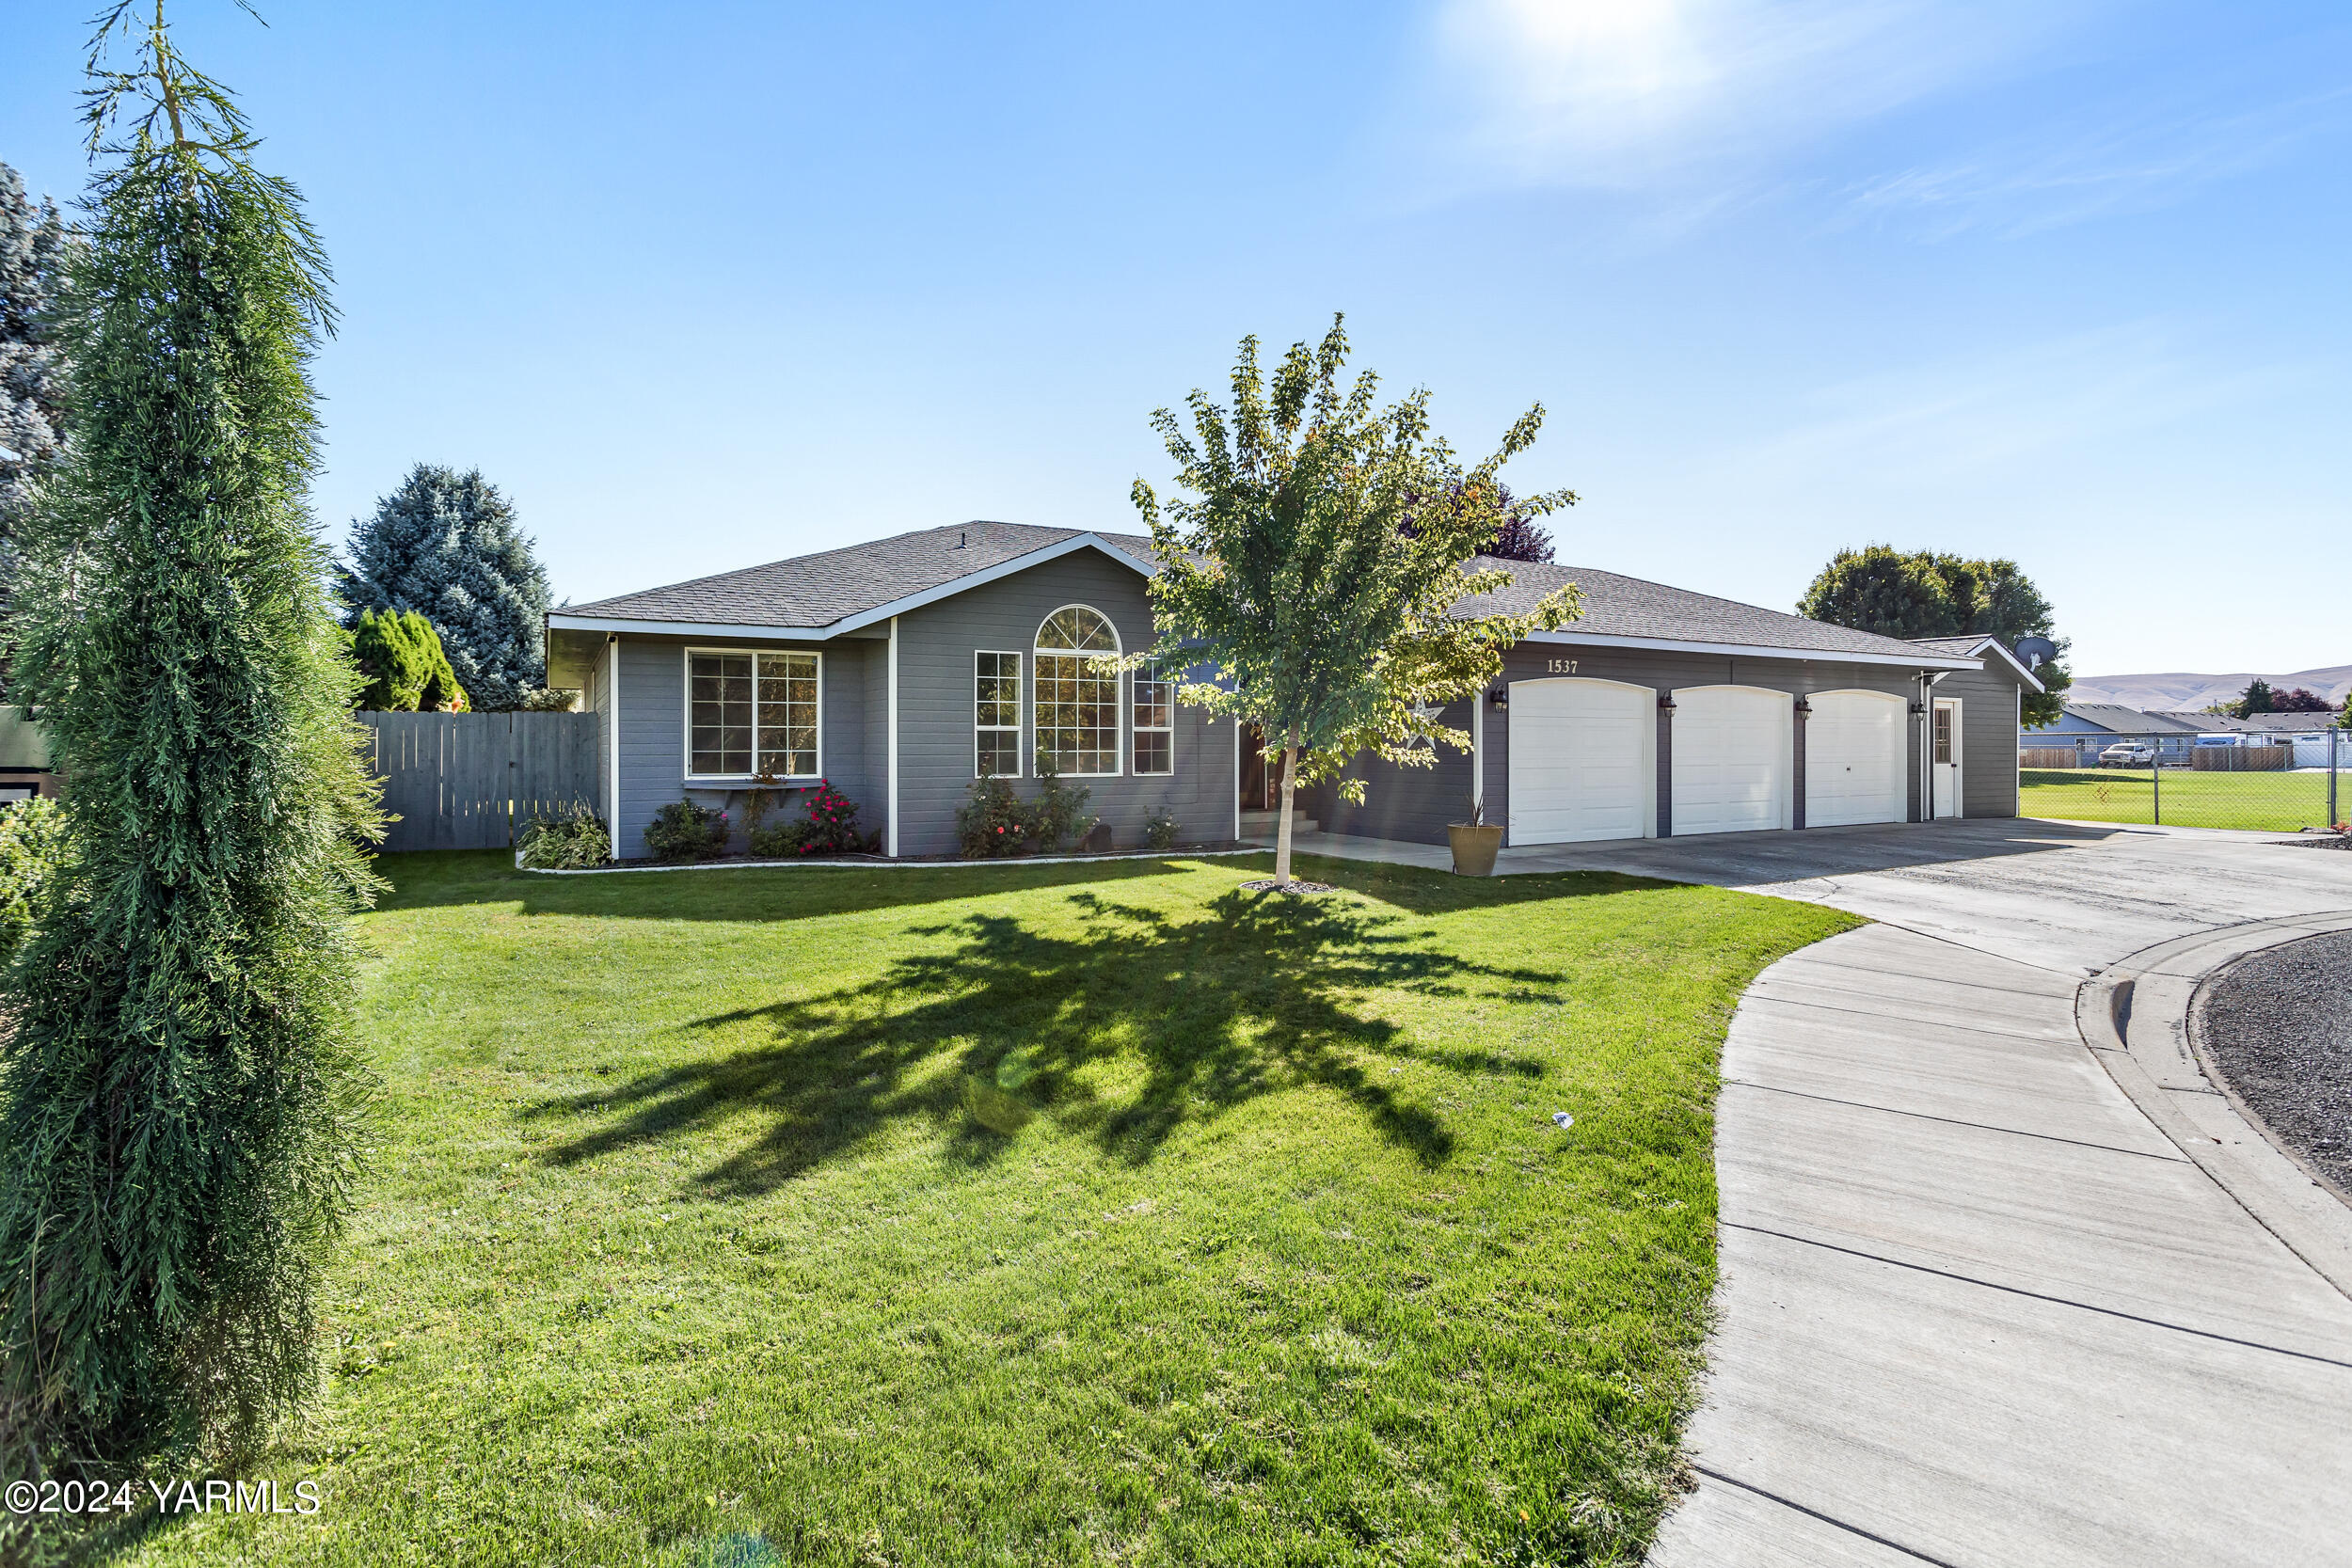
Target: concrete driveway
{"x":1978,"y":1305}
{"x":1981,"y":1306}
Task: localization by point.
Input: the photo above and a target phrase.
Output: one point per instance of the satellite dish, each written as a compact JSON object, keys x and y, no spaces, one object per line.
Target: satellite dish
{"x":2036,"y":651}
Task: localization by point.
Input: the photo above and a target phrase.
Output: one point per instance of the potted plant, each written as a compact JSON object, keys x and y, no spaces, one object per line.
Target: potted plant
{"x":1474,"y":843}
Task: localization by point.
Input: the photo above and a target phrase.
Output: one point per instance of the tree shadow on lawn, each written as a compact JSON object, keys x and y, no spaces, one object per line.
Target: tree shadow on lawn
{"x":1253,"y":995}
{"x":443,"y":879}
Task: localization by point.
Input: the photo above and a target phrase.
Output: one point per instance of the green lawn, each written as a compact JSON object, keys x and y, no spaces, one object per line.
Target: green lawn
{"x":2278,"y":803}
{"x":1020,"y":1216}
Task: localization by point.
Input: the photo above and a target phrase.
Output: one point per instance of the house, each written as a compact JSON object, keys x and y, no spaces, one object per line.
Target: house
{"x":2088,"y":728}
{"x":24,"y":765}
{"x":902,"y":668}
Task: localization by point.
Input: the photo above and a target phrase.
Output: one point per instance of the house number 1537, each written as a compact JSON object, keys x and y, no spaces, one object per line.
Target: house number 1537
{"x":1561,"y":666}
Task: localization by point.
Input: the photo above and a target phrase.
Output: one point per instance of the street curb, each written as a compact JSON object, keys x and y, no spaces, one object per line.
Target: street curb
{"x":2134,"y":1015}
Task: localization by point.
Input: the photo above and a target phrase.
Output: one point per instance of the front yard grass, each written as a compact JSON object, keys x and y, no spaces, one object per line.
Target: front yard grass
{"x":1019,"y":1215}
{"x":2275,"y":803}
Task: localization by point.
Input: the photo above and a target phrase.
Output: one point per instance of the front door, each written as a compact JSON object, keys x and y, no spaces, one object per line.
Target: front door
{"x":1945,"y":771}
{"x":1260,"y":786}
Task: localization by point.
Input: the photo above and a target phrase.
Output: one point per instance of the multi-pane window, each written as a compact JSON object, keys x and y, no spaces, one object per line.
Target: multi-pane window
{"x":1077,"y":692}
{"x":752,"y":713}
{"x":996,"y":715}
{"x":1943,"y":735}
{"x":1155,"y":720}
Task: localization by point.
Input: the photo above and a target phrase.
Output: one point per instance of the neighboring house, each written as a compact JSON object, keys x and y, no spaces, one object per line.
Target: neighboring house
{"x":24,"y":769}
{"x":2090,"y":728}
{"x":902,"y":668}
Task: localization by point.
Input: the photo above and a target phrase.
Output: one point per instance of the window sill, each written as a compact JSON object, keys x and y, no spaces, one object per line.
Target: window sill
{"x":746,"y":780}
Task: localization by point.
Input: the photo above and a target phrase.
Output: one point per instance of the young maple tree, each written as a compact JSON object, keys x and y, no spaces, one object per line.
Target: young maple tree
{"x":1284,"y":568}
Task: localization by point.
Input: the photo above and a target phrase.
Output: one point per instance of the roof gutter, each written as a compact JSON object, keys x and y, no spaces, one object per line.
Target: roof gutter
{"x":1907,"y":660}
{"x":862,"y":619}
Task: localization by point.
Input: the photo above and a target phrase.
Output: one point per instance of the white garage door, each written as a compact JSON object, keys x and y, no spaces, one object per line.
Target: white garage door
{"x":1731,"y":759}
{"x":1582,"y":760}
{"x":1854,"y":759}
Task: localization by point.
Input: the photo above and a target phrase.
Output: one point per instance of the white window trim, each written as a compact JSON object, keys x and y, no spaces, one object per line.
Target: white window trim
{"x":1019,"y":702}
{"x":1038,"y":652}
{"x":1135,"y":729}
{"x":686,"y":716}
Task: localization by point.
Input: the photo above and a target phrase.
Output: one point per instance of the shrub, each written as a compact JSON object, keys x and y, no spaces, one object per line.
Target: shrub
{"x":1160,"y":829}
{"x":408,"y":671}
{"x":1060,"y":809}
{"x":828,"y":828}
{"x":683,"y":831}
{"x":994,"y":823}
{"x":32,"y":846}
{"x":571,"y":840}
{"x":780,"y":840}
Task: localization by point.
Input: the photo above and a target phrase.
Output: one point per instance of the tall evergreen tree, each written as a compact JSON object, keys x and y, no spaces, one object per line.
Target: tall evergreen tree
{"x":32,"y":375}
{"x":179,"y":1076}
{"x":447,"y":545}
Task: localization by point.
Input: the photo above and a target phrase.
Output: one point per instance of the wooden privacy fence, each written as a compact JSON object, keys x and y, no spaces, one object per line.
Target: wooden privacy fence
{"x":2241,"y":759}
{"x":2049,"y":757}
{"x":470,"y":781}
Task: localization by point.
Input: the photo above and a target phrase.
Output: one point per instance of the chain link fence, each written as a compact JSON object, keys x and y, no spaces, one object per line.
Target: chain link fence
{"x":2269,"y":783}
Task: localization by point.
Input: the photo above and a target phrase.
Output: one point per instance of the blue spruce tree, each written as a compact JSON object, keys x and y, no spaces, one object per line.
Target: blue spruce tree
{"x":446,"y":545}
{"x":32,"y":372}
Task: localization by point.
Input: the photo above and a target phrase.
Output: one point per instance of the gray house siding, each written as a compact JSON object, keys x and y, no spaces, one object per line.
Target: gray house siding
{"x":936,"y":645}
{"x":1415,"y":804}
{"x":1410,"y":804}
{"x":652,"y":733}
{"x":1988,"y":739}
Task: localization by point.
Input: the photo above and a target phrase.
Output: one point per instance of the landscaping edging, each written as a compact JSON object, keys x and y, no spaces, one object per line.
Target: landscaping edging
{"x":840,"y":863}
{"x":2134,"y":1017}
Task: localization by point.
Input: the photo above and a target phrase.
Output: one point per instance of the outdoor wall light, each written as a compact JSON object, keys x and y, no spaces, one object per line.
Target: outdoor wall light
{"x":1805,"y":704}
{"x":1499,"y":697}
{"x":1665,"y":702}
{"x":1918,"y":707}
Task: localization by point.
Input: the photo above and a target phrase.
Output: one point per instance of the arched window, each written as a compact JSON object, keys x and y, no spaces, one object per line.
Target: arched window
{"x":1077,"y":692}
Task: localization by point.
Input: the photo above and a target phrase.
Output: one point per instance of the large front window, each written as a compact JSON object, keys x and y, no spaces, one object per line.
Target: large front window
{"x":750,"y":714}
{"x":1077,"y":692}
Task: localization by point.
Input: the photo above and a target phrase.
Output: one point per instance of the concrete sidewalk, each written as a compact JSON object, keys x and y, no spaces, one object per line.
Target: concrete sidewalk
{"x":1978,"y":1309}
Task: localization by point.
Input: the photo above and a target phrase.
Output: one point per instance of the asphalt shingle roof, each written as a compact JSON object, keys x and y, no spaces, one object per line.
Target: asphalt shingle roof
{"x":2129,"y":720}
{"x":818,"y":590}
{"x":815,"y":591}
{"x":1618,"y":605}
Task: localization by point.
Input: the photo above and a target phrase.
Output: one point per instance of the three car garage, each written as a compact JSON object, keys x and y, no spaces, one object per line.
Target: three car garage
{"x":1584,"y":751}
{"x":1661,"y":712}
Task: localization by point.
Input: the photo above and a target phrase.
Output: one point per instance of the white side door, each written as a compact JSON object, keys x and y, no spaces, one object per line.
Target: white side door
{"x":1732,"y":759}
{"x":1584,"y":761}
{"x":1944,"y":750}
{"x":1853,"y":758}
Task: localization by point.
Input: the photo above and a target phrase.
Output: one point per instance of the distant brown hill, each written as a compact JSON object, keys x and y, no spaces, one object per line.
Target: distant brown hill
{"x":2183,"y":693}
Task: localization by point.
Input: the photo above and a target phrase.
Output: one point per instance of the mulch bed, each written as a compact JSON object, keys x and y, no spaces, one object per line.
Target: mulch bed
{"x":2319,"y":841}
{"x":1267,"y":884}
{"x":2278,"y":1025}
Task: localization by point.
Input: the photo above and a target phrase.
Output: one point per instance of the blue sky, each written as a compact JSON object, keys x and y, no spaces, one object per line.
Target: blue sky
{"x":703,"y":286}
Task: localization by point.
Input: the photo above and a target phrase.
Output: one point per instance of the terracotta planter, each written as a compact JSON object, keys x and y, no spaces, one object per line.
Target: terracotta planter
{"x":1473,"y":849}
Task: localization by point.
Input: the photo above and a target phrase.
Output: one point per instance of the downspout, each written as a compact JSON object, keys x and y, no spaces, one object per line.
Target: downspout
{"x":890,"y":847}
{"x":1478,"y":755}
{"x":612,"y":739}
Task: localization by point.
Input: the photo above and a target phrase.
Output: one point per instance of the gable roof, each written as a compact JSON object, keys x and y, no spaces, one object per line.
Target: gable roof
{"x":2119,"y":720}
{"x":836,"y":592}
{"x":839,"y":591}
{"x":2259,"y":723}
{"x":1631,"y":612}
{"x":1975,"y":645}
